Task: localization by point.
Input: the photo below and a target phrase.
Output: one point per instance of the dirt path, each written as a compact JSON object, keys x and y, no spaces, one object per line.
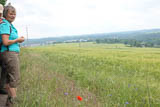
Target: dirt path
{"x":68,"y":91}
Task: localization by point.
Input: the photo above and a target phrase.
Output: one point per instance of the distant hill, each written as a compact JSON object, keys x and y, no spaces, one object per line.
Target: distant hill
{"x":137,"y":35}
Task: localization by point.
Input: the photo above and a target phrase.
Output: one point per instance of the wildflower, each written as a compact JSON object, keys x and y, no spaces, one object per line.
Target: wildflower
{"x":79,"y":98}
{"x":65,"y":93}
{"x":110,"y":95}
{"x":129,"y":85}
{"x":127,"y":103}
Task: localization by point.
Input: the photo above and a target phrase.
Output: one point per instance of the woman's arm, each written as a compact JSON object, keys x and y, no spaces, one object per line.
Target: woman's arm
{"x":7,"y":42}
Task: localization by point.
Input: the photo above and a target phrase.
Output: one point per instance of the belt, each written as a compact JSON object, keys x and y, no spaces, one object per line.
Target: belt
{"x":11,"y":52}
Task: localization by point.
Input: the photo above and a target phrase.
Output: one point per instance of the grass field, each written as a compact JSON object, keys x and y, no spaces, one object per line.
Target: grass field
{"x":104,"y":75}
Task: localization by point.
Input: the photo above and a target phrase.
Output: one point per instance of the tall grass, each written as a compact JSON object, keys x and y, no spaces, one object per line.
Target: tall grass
{"x":104,"y":75}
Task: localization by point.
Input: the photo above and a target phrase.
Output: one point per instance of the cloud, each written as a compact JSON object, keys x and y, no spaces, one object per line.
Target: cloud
{"x":71,"y":17}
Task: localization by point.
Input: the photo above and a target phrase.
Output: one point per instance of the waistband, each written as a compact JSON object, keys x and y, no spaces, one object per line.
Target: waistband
{"x":10,"y":52}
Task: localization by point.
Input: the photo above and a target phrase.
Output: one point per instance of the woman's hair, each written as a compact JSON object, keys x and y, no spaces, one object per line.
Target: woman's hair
{"x":6,"y":9}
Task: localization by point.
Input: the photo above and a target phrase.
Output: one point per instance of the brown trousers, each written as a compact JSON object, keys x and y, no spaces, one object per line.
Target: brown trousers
{"x":10,"y":68}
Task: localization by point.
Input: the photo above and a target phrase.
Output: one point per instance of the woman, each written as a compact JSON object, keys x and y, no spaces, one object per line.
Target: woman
{"x":10,"y":50}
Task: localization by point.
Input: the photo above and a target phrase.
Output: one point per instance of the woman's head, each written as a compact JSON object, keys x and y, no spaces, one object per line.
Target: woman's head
{"x":9,"y":13}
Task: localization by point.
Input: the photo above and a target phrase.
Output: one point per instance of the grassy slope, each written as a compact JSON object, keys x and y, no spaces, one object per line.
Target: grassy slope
{"x":104,"y":75}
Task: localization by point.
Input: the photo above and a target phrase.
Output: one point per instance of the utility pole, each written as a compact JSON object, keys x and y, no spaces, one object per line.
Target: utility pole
{"x":79,"y":42}
{"x":27,"y":35}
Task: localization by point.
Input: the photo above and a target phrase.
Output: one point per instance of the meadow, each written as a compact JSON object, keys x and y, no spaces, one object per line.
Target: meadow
{"x":104,"y":75}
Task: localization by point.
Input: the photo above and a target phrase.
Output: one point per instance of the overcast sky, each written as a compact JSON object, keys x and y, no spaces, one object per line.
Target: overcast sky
{"x":55,"y":18}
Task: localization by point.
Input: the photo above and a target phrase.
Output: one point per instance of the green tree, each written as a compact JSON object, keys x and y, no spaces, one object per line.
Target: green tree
{"x":3,"y":2}
{"x":98,"y":41}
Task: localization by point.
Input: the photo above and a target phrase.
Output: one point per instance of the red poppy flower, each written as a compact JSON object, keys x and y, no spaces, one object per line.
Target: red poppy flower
{"x":79,"y":98}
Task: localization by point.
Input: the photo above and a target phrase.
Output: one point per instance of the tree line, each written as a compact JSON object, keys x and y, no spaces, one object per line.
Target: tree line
{"x":3,"y":2}
{"x":132,"y":42}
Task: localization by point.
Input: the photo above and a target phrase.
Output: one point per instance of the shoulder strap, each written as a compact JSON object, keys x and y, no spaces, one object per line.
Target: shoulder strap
{"x":1,"y":45}
{"x":10,"y":29}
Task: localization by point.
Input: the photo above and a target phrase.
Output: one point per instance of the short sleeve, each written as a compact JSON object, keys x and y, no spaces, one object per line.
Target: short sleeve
{"x":4,"y":28}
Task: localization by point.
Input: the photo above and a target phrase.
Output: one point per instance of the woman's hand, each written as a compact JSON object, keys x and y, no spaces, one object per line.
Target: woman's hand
{"x":20,"y":39}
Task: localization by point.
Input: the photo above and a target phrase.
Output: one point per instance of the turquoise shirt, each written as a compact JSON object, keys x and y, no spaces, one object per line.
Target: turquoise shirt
{"x":7,"y":28}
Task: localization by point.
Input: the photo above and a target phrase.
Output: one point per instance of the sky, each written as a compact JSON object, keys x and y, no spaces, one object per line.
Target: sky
{"x":56,"y":18}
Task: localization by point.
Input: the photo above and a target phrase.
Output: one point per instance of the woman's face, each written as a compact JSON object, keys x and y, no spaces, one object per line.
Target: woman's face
{"x":11,"y":15}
